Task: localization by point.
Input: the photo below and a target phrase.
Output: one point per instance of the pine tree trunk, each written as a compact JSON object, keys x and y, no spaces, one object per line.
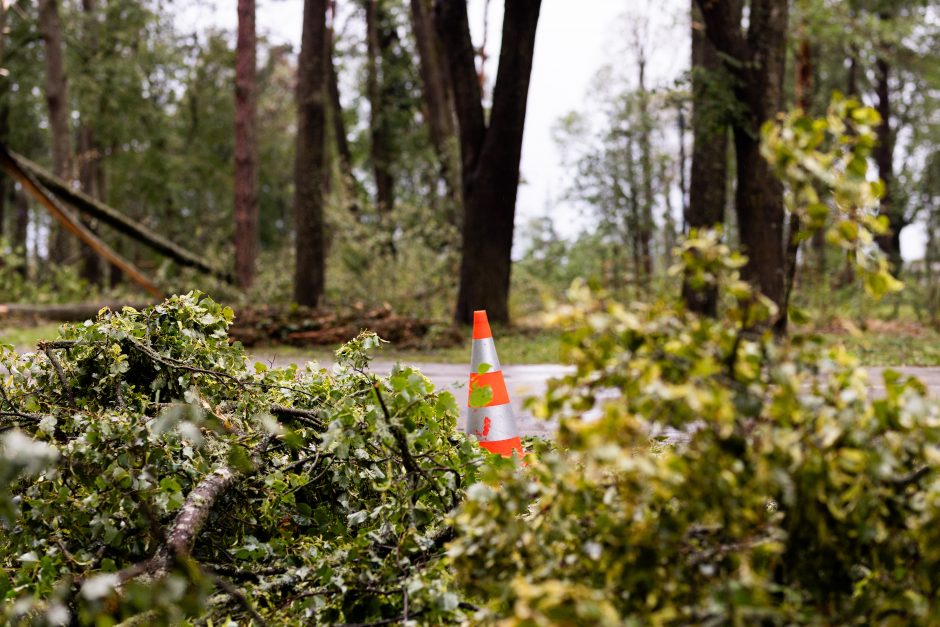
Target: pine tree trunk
{"x":57,"y":101}
{"x":309,"y":161}
{"x":489,"y":154}
{"x":88,"y":155}
{"x":246,"y":147}
{"x":378,"y":124}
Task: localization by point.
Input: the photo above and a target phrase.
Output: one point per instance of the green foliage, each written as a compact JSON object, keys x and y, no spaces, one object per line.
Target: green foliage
{"x":823,"y":163}
{"x":726,"y":478}
{"x":53,"y":285}
{"x":337,"y":483}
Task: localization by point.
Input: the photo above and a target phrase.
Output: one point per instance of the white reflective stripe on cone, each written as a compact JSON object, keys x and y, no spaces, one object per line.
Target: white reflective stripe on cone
{"x":484,"y":352}
{"x":491,"y":424}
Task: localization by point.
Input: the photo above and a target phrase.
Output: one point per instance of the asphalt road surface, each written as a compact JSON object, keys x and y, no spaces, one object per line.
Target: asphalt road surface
{"x":528,"y":381}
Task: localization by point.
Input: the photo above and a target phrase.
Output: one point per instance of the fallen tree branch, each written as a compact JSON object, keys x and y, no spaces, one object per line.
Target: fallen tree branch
{"x":59,"y":372}
{"x":71,"y":222}
{"x":118,"y":221}
{"x":70,"y":312}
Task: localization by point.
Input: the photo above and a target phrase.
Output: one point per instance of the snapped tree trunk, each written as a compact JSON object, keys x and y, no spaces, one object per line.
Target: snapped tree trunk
{"x":246,"y":147}
{"x":707,"y":190}
{"x":756,"y":60}
{"x":489,"y":153}
{"x":57,"y":101}
{"x":309,"y":161}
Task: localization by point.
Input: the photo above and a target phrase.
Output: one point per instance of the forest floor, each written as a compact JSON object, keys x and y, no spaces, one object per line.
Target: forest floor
{"x":880,"y":343}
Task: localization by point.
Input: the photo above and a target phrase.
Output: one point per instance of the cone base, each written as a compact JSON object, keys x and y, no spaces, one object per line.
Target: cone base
{"x":505,"y":447}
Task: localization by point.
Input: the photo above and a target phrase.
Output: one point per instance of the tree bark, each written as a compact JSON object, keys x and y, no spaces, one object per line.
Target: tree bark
{"x":309,"y":161}
{"x":115,"y":219}
{"x":438,"y":104}
{"x":88,"y":153}
{"x":50,"y":28}
{"x":489,"y":154}
{"x":803,"y":87}
{"x":757,"y":62}
{"x":707,"y":190}
{"x":88,"y":159}
{"x":71,"y":222}
{"x":246,"y":147}
{"x":377,"y":41}
{"x":21,"y":227}
{"x":646,"y":173}
{"x":890,"y":242}
{"x":351,"y":185}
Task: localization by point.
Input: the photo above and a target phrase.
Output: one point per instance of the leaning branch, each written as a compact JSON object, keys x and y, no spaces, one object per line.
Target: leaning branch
{"x":71,"y":223}
{"x":117,"y":220}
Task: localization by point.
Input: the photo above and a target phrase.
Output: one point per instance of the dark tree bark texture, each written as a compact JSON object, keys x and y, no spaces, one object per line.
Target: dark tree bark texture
{"x":309,"y":160}
{"x":756,"y":59}
{"x":707,"y":191}
{"x":246,"y":147}
{"x":378,"y":39}
{"x":489,"y":153}
{"x":890,"y":242}
{"x":438,"y":103}
{"x":50,"y":28}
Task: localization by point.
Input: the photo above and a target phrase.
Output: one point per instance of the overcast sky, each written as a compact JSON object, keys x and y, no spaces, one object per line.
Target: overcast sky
{"x":574,"y":40}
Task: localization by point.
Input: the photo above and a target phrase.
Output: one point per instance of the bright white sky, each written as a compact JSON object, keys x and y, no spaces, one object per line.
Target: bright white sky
{"x":575,"y":39}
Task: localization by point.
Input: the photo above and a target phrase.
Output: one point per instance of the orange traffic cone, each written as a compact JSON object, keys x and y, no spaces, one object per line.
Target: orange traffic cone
{"x":493,"y":424}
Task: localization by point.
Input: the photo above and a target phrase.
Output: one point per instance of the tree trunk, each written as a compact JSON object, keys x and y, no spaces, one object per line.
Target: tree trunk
{"x":803,"y":87}
{"x":646,"y":173}
{"x":438,"y":103}
{"x":489,"y":154}
{"x":707,"y":191}
{"x":21,"y":226}
{"x":890,"y":242}
{"x":88,"y":155}
{"x":88,"y":160}
{"x":309,"y":161}
{"x":246,"y":147}
{"x":378,"y":123}
{"x":85,"y":204}
{"x":757,"y":62}
{"x":351,"y":185}
{"x":6,"y":187}
{"x":57,"y":101}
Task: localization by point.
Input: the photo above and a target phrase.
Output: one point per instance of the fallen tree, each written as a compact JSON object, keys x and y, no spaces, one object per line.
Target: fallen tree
{"x":112,"y":217}
{"x":151,"y":474}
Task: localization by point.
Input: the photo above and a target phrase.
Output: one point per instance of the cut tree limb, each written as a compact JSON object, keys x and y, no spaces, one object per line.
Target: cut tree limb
{"x":117,"y":220}
{"x":71,"y":222}
{"x":187,"y":525}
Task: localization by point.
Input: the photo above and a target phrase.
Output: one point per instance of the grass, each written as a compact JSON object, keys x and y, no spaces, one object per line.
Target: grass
{"x":875,"y":347}
{"x":893,"y":349}
{"x":26,"y":338}
{"x":515,"y":346}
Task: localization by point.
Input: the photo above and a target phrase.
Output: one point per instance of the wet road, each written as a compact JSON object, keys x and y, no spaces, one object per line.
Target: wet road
{"x":530,"y":381}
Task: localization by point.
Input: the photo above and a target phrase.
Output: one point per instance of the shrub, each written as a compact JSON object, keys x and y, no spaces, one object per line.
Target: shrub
{"x":150,"y":473}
